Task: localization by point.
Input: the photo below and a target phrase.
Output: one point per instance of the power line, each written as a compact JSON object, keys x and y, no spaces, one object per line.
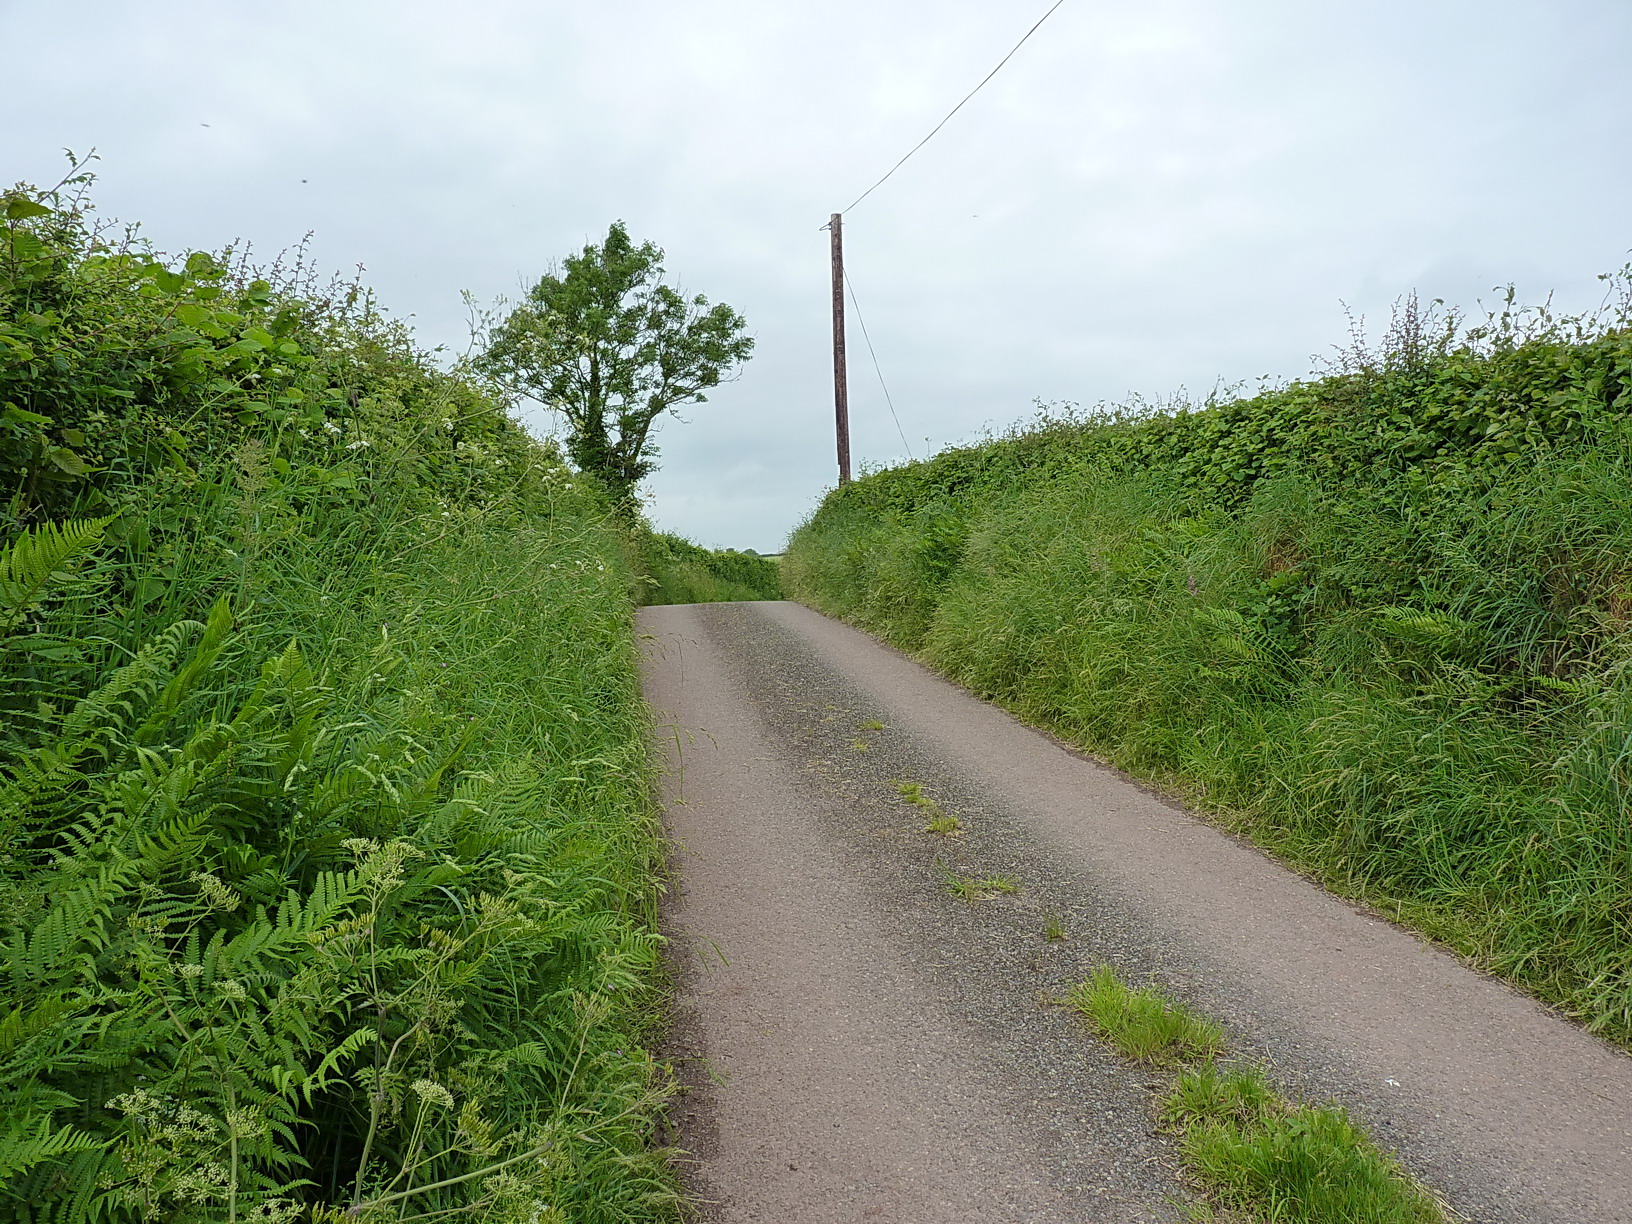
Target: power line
{"x":958,"y":107}
{"x":854,"y":302}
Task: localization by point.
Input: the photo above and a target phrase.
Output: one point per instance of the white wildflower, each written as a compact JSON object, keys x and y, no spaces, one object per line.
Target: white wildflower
{"x":432,"y":1093}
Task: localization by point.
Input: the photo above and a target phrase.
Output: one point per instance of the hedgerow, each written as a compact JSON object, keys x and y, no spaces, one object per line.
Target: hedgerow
{"x":327,"y":865}
{"x":678,"y":571}
{"x":1380,"y":619}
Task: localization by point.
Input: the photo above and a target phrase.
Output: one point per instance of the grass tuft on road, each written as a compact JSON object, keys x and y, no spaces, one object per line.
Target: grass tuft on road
{"x":1144,"y":1024}
{"x":1252,"y":1152}
{"x":979,"y":888}
{"x":1301,"y":1164}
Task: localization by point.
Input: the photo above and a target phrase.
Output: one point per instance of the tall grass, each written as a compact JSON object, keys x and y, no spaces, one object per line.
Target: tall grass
{"x":1410,"y":676}
{"x":328,"y":875}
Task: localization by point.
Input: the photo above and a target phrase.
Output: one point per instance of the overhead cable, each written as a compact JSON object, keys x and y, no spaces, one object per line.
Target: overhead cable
{"x":876,"y":369}
{"x":958,"y":107}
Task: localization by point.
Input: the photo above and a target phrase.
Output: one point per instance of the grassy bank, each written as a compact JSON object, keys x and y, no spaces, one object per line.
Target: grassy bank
{"x":326,"y":883}
{"x":682,"y":572}
{"x":1378,"y":619}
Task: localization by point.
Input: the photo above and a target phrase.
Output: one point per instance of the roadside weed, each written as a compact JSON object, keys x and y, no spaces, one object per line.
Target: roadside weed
{"x":1053,"y":928}
{"x":913,"y":793}
{"x":1305,"y":1165}
{"x":974,"y":888}
{"x":935,"y":819}
{"x":1239,"y":1094}
{"x":872,"y":724}
{"x":1256,"y":1155}
{"x":964,"y":888}
{"x":944,"y":824}
{"x":1144,"y":1024}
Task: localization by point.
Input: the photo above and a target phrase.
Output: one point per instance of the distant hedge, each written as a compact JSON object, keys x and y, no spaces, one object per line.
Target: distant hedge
{"x":1436,"y":400}
{"x":683,"y":572}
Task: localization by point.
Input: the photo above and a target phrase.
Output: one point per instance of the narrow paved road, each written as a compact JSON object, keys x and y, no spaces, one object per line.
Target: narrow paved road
{"x":861,"y":1045}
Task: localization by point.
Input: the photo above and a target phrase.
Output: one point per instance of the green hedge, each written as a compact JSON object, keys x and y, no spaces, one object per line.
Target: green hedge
{"x":682,"y":572}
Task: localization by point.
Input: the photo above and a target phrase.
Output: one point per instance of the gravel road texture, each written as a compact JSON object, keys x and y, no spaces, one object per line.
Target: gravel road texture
{"x":859,"y":1044}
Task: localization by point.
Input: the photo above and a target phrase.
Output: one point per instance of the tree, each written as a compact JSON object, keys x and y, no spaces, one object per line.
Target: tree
{"x":604,"y":342}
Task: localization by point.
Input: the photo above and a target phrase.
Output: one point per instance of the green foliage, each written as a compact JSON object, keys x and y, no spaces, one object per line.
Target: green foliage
{"x":1380,"y":620}
{"x":611,"y":347}
{"x":682,"y":572}
{"x":1435,"y":401}
{"x":326,"y":888}
{"x":36,"y":560}
{"x":1143,"y":1023}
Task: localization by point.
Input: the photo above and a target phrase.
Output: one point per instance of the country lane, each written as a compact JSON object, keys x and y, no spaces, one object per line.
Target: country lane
{"x":858,"y":1044}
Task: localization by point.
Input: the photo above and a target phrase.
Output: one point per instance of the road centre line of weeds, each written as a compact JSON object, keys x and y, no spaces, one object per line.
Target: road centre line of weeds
{"x":1252,"y":1153}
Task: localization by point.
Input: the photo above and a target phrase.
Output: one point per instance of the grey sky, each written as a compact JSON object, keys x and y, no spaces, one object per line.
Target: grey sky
{"x":1150,"y":195}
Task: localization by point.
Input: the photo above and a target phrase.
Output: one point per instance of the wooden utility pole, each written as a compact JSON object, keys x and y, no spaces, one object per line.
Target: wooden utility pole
{"x":841,"y":386}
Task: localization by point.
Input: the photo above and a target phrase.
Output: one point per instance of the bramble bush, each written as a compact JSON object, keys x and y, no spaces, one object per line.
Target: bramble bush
{"x":1378,"y":619}
{"x":327,"y":874}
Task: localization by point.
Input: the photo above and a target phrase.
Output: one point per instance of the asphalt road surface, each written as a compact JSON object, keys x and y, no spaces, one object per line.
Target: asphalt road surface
{"x":860,"y":1044}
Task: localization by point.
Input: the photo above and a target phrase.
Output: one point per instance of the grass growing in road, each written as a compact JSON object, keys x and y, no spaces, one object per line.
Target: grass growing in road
{"x":1143,"y":1023}
{"x":979,"y":888}
{"x":1246,"y":1146}
{"x":943,"y":824}
{"x":913,"y":793}
{"x":936,"y":820}
{"x":1256,"y":1152}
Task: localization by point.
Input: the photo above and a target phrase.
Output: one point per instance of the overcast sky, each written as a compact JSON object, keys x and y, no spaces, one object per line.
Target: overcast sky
{"x":1152,"y":195}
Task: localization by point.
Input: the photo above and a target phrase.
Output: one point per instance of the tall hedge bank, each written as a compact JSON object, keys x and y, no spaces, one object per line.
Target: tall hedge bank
{"x":327,"y":863}
{"x":1377,"y":619}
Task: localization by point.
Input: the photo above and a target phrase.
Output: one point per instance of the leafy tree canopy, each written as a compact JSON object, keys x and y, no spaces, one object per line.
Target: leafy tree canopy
{"x":606,"y":343}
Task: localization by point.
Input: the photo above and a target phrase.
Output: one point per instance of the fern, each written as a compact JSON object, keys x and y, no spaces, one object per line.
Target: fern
{"x":22,"y":1147}
{"x":38,"y":559}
